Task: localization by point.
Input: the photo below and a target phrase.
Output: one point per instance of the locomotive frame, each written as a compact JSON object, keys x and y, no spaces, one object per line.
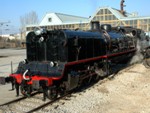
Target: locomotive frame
{"x":61,"y":60}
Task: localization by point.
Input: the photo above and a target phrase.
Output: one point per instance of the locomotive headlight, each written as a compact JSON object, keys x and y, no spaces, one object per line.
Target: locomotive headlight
{"x":38,"y":31}
{"x":55,"y":63}
{"x":41,"y":39}
{"x":52,"y":64}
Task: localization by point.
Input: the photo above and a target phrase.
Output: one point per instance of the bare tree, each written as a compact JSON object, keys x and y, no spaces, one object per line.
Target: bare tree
{"x":28,"y":19}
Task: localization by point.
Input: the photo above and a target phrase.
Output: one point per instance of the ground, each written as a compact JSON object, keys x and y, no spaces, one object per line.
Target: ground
{"x":126,"y":92}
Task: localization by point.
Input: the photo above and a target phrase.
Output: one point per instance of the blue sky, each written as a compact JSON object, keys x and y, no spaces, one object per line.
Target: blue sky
{"x":12,"y":10}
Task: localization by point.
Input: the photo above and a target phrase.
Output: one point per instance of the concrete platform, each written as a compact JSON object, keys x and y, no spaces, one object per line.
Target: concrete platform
{"x":6,"y":94}
{"x":6,"y":56}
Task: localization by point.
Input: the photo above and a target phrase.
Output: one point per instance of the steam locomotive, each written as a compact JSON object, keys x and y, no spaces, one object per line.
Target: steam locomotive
{"x":59,"y":61}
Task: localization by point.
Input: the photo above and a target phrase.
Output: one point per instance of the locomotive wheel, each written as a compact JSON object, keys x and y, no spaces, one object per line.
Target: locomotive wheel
{"x":62,"y":92}
{"x":106,"y":69}
{"x":52,"y":93}
{"x":96,"y":78}
{"x":146,"y":61}
{"x":25,"y":89}
{"x":148,"y":53}
{"x":86,"y":81}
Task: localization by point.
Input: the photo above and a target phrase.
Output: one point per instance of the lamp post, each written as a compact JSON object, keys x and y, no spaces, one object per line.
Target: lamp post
{"x":2,"y":26}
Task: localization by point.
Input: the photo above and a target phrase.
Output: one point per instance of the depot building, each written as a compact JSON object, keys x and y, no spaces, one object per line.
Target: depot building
{"x":105,"y":15}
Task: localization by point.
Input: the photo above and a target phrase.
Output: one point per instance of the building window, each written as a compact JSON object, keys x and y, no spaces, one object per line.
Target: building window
{"x":106,"y":18}
{"x":105,"y":11}
{"x":102,"y":11}
{"x":135,"y":22}
{"x":109,"y":12}
{"x":49,"y":19}
{"x":101,"y":18}
{"x":131,"y":22}
{"x":98,"y":18}
{"x":109,"y":17}
{"x":99,"y":13}
{"x":94,"y":18}
{"x":114,"y":18}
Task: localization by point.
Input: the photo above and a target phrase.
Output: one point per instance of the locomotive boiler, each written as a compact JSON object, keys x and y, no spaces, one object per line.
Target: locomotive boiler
{"x":59,"y":61}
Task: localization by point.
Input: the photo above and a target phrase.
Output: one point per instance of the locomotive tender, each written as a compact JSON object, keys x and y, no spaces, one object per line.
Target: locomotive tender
{"x":62,"y":60}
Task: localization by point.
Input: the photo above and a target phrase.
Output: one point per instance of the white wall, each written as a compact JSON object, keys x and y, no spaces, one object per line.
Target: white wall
{"x":55,"y":20}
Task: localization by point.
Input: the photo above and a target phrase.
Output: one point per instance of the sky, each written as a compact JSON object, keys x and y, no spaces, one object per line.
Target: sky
{"x":12,"y":10}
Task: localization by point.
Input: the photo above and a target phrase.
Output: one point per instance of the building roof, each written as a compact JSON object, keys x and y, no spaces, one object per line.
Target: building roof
{"x":112,"y":10}
{"x":120,"y":16}
{"x":62,"y":19}
{"x":70,"y":18}
{"x":59,"y":18}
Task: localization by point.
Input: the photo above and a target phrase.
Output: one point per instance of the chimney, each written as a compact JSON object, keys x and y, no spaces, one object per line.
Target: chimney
{"x":122,"y":7}
{"x":95,"y":25}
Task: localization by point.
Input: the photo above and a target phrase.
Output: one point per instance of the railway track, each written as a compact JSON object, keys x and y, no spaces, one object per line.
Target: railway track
{"x":21,"y":105}
{"x":16,"y":100}
{"x":49,"y":103}
{"x":35,"y":103}
{"x":28,"y":105}
{"x":7,"y":107}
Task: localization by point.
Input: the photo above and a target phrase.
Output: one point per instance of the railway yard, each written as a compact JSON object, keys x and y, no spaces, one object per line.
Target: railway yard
{"x":127,"y":91}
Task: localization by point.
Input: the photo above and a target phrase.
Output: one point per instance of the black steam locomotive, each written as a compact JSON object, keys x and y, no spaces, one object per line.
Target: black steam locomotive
{"x":61,"y":60}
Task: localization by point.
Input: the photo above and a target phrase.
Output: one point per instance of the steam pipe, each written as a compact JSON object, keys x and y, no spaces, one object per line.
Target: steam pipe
{"x":24,"y":74}
{"x":45,"y":51}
